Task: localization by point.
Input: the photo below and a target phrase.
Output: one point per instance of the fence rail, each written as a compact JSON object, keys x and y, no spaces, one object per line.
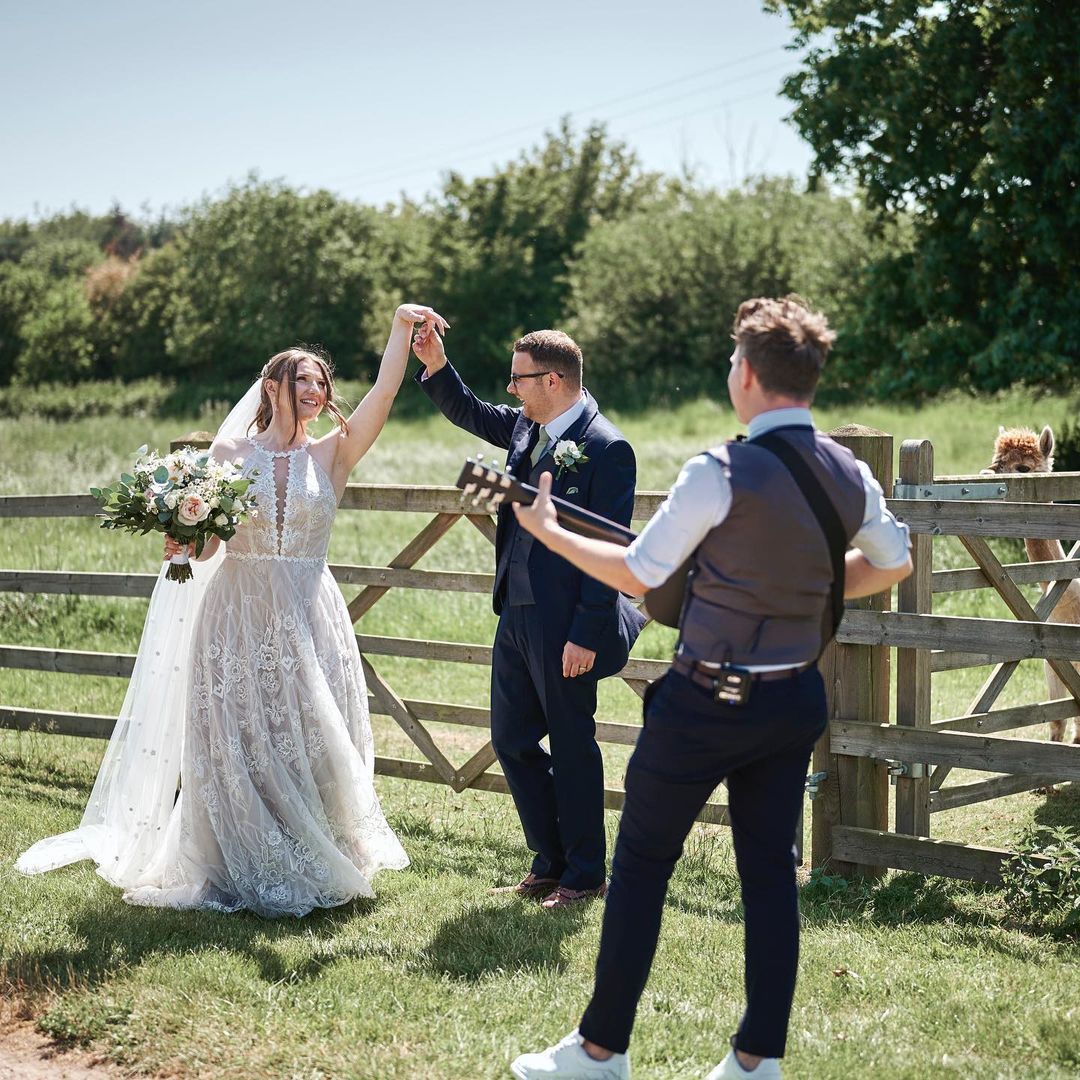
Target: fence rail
{"x":851,"y":814}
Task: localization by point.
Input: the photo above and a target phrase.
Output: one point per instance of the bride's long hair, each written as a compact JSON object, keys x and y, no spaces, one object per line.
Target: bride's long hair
{"x":282,"y":369}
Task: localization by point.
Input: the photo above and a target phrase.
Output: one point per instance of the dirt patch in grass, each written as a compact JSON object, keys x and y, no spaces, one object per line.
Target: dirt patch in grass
{"x":26,"y":1054}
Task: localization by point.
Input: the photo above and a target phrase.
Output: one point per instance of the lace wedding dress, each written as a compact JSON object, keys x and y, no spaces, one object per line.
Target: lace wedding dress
{"x":277,"y":811}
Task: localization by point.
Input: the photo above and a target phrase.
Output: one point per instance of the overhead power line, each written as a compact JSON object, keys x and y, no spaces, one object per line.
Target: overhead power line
{"x":397,"y":170}
{"x":712,"y":107}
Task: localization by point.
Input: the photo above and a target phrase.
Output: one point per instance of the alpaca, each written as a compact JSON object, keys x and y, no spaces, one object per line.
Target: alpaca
{"x":1020,"y":450}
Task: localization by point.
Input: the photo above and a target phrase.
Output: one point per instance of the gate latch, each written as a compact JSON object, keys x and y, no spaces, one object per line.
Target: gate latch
{"x":910,"y":770}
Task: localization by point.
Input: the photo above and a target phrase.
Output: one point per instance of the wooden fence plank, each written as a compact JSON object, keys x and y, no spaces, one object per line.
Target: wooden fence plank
{"x":997,"y":637}
{"x":986,"y":753}
{"x":390,"y":577}
{"x":395,"y":707}
{"x":1009,"y":719}
{"x":949,"y":798}
{"x":1018,"y":520}
{"x":922,"y":855}
{"x":1026,"y":487}
{"x":66,"y":661}
{"x":69,"y":582}
{"x":438,"y":712}
{"x":711,"y":813}
{"x":1017,"y":602}
{"x":81,"y":725}
{"x":461,"y":653}
{"x":31,"y":506}
{"x":1022,"y":573}
{"x":410,"y":554}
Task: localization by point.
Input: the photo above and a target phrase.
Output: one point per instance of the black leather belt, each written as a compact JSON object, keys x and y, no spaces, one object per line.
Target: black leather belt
{"x":704,"y":675}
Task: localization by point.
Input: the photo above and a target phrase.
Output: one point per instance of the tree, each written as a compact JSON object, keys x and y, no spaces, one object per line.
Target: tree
{"x":655,"y":293}
{"x":964,"y":116}
{"x":264,"y":268}
{"x":502,"y":246}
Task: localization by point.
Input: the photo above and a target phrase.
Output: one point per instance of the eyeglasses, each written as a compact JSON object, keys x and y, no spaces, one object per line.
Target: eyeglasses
{"x":515,"y":379}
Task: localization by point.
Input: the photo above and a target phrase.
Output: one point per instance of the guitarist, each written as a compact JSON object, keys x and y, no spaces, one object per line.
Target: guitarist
{"x":743,"y":700}
{"x":559,"y":631}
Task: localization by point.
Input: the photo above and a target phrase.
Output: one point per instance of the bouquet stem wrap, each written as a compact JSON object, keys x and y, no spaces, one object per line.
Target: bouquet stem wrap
{"x":180,"y":570}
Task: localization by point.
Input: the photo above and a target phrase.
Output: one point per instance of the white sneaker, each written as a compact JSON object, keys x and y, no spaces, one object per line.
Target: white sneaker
{"x":567,"y":1060}
{"x":730,"y":1069}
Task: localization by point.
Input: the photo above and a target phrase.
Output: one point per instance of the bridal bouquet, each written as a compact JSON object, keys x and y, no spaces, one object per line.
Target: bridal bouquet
{"x":184,"y":494}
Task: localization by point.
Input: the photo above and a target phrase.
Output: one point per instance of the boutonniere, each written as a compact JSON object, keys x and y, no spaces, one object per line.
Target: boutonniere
{"x":568,"y":455}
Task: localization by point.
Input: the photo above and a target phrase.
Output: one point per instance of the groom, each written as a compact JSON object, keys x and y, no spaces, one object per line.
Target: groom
{"x":559,"y":631}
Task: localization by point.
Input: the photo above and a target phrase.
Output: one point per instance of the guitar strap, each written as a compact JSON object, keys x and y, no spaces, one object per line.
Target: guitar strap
{"x":827,"y":517}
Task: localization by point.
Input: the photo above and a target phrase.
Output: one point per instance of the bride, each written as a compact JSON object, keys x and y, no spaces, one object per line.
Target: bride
{"x":248,"y":684}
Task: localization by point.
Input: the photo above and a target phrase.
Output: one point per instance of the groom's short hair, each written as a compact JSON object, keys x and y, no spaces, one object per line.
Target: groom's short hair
{"x":554,"y":350}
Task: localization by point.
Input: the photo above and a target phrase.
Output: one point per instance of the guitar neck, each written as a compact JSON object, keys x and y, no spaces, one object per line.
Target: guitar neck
{"x":582,"y":522}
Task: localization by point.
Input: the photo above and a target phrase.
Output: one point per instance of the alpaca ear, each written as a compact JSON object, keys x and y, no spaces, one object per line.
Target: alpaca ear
{"x":1046,"y":441}
{"x":1001,"y":429}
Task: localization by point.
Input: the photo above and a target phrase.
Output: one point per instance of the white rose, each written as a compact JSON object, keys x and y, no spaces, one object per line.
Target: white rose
{"x":221,"y":519}
{"x":172,"y":498}
{"x":193,"y":509}
{"x":214,"y":501}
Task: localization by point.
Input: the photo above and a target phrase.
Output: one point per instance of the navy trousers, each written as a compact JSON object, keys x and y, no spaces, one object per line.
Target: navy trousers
{"x":559,"y":796}
{"x":688,"y":745}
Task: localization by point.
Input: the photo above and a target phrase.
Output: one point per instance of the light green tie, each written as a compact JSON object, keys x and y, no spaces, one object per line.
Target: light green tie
{"x":540,"y":447}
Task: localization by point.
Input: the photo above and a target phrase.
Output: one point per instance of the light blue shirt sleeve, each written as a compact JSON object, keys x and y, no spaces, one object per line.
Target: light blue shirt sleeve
{"x":881,"y":538}
{"x":699,"y":501}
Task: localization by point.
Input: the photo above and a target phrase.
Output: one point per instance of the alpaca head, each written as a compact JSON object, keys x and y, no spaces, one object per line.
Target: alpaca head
{"x":1020,"y":450}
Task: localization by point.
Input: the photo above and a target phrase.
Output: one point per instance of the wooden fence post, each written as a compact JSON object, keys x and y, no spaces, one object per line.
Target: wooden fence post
{"x":199,"y":439}
{"x":856,"y":790}
{"x":915,"y":594}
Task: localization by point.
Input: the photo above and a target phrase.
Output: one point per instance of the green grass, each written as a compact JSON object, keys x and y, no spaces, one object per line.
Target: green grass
{"x":904,"y":978}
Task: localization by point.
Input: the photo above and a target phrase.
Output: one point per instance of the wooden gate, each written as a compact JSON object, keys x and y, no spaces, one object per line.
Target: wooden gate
{"x":918,"y":749}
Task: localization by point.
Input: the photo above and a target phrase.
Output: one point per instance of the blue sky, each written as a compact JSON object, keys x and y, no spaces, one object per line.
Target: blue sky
{"x":156,"y":105}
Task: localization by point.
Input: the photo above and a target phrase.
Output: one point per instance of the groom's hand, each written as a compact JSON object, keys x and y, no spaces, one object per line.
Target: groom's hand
{"x":576,"y":660}
{"x":428,"y":347}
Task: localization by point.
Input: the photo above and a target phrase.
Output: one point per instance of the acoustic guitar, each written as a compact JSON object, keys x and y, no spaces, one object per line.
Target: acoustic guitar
{"x":487,"y":486}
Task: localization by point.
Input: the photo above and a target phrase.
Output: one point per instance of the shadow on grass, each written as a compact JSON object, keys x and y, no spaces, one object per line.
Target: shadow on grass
{"x":513,"y":936}
{"x":110,"y":939}
{"x":44,"y":775}
{"x":1061,"y":808}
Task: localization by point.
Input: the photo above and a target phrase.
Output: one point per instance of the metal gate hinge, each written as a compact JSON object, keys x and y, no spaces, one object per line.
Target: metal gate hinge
{"x":950,"y":492}
{"x":814,"y":782}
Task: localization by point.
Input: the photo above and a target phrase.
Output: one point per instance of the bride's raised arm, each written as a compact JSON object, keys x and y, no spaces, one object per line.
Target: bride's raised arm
{"x":370,"y":415}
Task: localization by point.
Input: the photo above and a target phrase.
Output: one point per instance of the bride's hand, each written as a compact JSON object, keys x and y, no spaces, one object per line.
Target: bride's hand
{"x":414,"y":313}
{"x":173,"y":548}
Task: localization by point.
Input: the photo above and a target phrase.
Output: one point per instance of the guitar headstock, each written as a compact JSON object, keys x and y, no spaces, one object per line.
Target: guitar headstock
{"x":485,"y":484}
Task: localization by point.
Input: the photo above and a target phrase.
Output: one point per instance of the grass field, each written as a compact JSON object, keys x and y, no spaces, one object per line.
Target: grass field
{"x":904,"y":978}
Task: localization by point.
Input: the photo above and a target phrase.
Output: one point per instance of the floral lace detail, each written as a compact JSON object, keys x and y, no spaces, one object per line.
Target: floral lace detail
{"x":279,"y":813}
{"x":309,"y":505}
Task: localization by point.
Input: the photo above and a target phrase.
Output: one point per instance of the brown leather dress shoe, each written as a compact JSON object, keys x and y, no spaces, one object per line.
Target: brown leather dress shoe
{"x":564,"y":897}
{"x":530,"y":887}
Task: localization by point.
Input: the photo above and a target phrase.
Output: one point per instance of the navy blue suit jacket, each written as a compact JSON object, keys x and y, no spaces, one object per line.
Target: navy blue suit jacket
{"x":597,"y":617}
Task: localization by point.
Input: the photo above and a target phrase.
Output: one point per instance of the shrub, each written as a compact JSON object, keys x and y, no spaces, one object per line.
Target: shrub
{"x":1042,"y":881}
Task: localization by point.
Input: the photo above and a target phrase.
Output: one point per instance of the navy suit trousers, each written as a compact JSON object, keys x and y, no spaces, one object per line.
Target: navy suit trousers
{"x":559,"y":796}
{"x":690,"y":743}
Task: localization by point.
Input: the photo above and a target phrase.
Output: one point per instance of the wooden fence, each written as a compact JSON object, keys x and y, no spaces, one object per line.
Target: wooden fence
{"x":864,"y":744}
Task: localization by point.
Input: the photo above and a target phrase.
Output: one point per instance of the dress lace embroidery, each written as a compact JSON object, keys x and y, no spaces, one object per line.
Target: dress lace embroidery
{"x":278,"y":811}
